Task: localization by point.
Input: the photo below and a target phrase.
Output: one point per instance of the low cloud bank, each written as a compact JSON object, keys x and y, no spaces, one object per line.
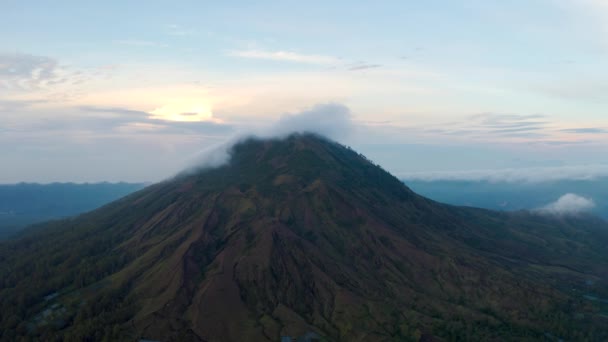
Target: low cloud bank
{"x":525,"y":175}
{"x":332,"y":120}
{"x":568,"y":204}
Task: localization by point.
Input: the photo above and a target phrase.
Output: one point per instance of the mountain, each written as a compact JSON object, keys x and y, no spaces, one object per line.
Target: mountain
{"x":24,"y":204}
{"x":303,"y":237}
{"x":511,"y":196}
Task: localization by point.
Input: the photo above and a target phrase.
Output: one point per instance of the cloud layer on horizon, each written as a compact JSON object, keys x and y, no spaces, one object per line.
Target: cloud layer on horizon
{"x":515,"y":175}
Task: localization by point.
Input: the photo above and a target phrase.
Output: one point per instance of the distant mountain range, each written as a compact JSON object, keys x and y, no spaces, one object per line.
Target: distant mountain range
{"x":512,"y":196}
{"x":303,"y":237}
{"x":24,"y":204}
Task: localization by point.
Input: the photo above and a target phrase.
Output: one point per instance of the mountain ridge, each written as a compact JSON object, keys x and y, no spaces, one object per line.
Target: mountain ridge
{"x":302,"y":235}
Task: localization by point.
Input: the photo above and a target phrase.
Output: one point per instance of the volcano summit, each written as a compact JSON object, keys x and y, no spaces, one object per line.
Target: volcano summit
{"x":302,"y":236}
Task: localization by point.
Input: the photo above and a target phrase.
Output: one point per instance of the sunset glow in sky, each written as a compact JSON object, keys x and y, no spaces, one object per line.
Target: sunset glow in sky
{"x":131,"y":91}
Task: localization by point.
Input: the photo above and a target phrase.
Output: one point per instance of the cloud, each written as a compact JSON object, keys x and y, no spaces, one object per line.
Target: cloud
{"x":178,"y":30}
{"x":14,"y":105}
{"x":512,"y":175}
{"x":364,"y":67}
{"x":212,"y":156}
{"x":598,"y":8}
{"x":24,"y":72}
{"x":128,"y":119}
{"x":330,"y":120}
{"x":104,"y":121}
{"x":534,"y":129}
{"x":586,"y":130}
{"x":115,"y":110}
{"x":180,"y":110}
{"x":285,"y":56}
{"x":140,"y":43}
{"x":501,"y":122}
{"x":26,"y":77}
{"x":568,"y":204}
{"x":584,"y":89}
{"x":496,"y":125}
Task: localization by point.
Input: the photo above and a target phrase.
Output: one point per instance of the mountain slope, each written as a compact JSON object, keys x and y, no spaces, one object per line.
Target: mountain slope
{"x":296,"y":236}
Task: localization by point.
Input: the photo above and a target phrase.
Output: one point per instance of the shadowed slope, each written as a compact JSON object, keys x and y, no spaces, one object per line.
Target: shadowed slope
{"x":302,"y":235}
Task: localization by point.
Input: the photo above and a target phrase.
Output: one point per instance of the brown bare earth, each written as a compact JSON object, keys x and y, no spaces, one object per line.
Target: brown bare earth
{"x":303,"y":235}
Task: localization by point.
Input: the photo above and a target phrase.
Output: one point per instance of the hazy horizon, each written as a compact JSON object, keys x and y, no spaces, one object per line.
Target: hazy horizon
{"x":108,"y":92}
{"x":304,"y":170}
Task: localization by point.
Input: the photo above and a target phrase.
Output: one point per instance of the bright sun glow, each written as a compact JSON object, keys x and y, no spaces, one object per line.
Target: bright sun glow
{"x":185,"y":111}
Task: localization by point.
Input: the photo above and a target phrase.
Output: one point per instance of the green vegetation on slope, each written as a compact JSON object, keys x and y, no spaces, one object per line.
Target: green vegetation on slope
{"x":302,"y":235}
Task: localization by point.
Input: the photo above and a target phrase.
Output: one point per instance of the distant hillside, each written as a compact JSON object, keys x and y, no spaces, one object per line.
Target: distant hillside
{"x":512,"y":196}
{"x":303,"y":237}
{"x":26,"y":203}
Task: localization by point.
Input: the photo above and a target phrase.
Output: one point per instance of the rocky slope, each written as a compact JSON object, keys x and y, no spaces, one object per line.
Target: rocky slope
{"x":303,"y":235}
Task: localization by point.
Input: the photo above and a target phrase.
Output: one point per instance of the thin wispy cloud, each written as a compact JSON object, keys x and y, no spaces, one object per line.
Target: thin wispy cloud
{"x":140,"y":43}
{"x":497,"y":120}
{"x":598,"y":7}
{"x":124,"y":119}
{"x":115,"y":110}
{"x":516,"y":175}
{"x":14,"y":105}
{"x":496,"y":125}
{"x":27,"y":79}
{"x":364,"y":67}
{"x":179,"y":30}
{"x":586,"y":130}
{"x":103,"y":121}
{"x":285,"y":56}
{"x":586,"y":88}
{"x":27,"y":72}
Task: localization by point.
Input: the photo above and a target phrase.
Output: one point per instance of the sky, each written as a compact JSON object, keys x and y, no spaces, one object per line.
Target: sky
{"x":133,"y":91}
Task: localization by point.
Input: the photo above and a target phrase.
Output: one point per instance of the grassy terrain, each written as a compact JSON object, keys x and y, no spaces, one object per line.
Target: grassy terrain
{"x":296,"y":236}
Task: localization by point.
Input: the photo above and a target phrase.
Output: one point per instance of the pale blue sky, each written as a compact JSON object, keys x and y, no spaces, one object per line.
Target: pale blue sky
{"x":118,"y":90}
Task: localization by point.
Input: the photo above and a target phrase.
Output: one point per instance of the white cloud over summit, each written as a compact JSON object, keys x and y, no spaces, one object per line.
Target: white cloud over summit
{"x":331,"y":120}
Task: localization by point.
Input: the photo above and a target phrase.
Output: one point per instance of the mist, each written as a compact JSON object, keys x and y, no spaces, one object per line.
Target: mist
{"x":569,"y":204}
{"x":331,"y":120}
{"x":515,"y":175}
